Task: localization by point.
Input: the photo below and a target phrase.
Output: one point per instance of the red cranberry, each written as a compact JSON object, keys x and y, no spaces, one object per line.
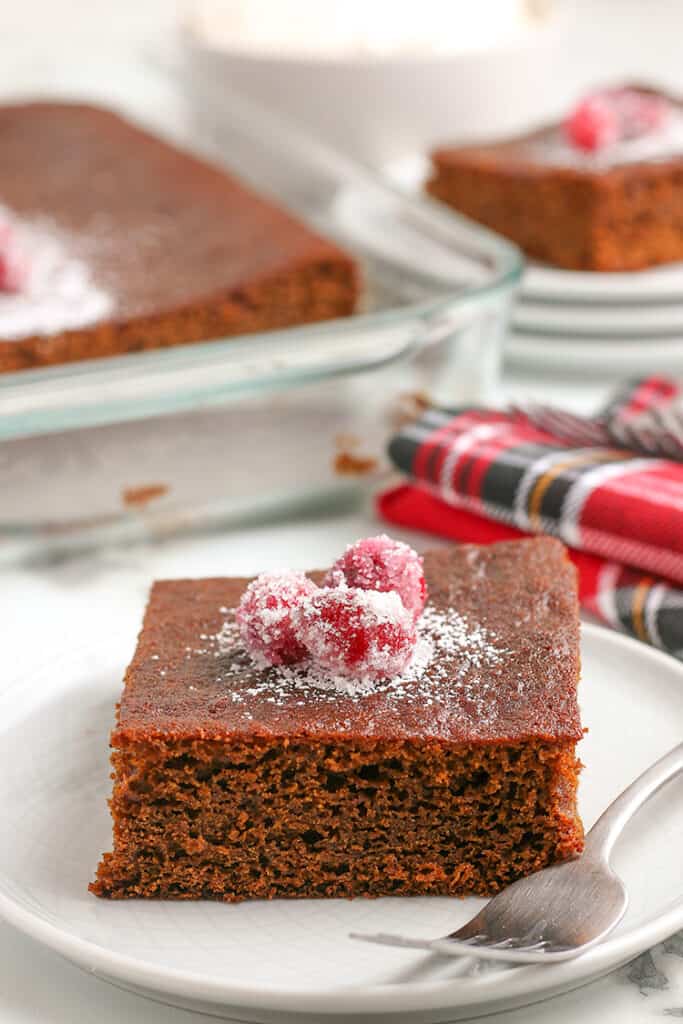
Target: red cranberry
{"x":593,"y":124}
{"x":363,"y":634}
{"x":380,"y":563}
{"x":13,"y":265}
{"x":265,"y":617}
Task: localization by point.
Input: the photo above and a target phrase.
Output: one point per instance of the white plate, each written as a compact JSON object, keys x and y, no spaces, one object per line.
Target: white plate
{"x":615,"y":322}
{"x":660,"y":284}
{"x":657,"y":285}
{"x":606,"y":340}
{"x":585,"y":355}
{"x":610,"y":324}
{"x":263,"y":961}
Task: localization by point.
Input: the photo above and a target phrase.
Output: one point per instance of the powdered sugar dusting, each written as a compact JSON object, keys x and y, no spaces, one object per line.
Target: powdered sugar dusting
{"x":552,"y":147}
{"x":59,"y":293}
{"x":444,"y":639}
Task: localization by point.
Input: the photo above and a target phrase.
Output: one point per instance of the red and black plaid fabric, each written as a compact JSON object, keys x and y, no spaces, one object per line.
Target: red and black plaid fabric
{"x":645,"y":416}
{"x":649,"y":608}
{"x":485,"y":472}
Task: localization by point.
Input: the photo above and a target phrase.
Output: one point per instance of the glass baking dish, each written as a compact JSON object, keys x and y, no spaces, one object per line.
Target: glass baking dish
{"x":197,"y":435}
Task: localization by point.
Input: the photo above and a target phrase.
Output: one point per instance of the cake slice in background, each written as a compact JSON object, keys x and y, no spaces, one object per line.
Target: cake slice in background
{"x":601,"y":191}
{"x":233,"y":781}
{"x":133,"y":244}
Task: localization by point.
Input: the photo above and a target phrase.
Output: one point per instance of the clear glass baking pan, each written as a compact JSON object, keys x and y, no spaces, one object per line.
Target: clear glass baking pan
{"x":210,"y":433}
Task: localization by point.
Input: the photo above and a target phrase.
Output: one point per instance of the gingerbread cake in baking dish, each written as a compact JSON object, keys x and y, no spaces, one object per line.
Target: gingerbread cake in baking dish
{"x":233,"y":781}
{"x":119,"y":242}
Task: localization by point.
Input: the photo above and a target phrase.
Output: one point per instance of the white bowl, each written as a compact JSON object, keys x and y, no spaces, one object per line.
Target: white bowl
{"x":379,"y":108}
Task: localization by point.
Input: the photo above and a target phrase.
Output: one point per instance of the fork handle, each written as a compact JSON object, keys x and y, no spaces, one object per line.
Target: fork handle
{"x":608,"y":827}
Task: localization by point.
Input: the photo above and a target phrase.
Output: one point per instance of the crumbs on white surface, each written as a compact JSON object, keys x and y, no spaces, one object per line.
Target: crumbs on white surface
{"x":59,"y":294}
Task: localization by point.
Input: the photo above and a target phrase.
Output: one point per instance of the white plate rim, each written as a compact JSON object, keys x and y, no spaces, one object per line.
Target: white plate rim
{"x":128,"y":971}
{"x":661,"y":284}
{"x":619,"y":322}
{"x":577,"y":354}
{"x":653,"y":285}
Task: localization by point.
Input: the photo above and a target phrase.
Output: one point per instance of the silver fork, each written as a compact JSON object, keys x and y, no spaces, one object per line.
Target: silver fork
{"x":559,"y":912}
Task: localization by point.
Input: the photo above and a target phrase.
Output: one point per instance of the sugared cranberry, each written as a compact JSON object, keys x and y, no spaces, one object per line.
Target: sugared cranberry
{"x":13,"y":265}
{"x":593,"y":124}
{"x":265,"y":617}
{"x":383,"y":564}
{"x":606,"y":117}
{"x":639,"y":112}
{"x":364,"y":634}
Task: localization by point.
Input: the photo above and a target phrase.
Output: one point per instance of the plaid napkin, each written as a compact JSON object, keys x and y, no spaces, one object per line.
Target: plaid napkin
{"x":645,"y":416}
{"x":482,"y":475}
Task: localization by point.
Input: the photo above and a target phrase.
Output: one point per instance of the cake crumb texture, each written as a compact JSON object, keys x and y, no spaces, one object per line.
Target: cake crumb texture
{"x":261,"y":820}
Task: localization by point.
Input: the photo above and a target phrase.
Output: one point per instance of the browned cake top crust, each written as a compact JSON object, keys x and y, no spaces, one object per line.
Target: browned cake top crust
{"x":158,"y":228}
{"x":543,"y":151}
{"x":505,"y":665}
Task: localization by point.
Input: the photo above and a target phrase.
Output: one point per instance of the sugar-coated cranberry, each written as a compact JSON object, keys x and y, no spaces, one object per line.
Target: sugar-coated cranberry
{"x":363,"y":634}
{"x":13,"y":265}
{"x":593,"y":124}
{"x":383,"y":564}
{"x":606,"y":117}
{"x":265,"y":617}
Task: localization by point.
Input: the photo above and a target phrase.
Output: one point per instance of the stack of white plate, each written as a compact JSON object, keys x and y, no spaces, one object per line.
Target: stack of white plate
{"x":604,"y":323}
{"x":583,"y":322}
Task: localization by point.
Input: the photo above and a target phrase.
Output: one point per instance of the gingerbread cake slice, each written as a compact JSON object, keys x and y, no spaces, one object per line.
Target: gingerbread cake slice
{"x":113,"y":241}
{"x":234,"y":782}
{"x":601,"y":191}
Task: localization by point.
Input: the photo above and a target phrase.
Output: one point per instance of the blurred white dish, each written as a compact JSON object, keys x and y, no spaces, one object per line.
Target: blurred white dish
{"x":621,"y":320}
{"x":585,"y":356}
{"x":619,"y":326}
{"x":578,"y":323}
{"x":326,"y":28}
{"x":377,"y":104}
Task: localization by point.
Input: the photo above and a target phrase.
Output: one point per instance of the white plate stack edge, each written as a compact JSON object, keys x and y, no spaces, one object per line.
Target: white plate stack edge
{"x":578,"y":322}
